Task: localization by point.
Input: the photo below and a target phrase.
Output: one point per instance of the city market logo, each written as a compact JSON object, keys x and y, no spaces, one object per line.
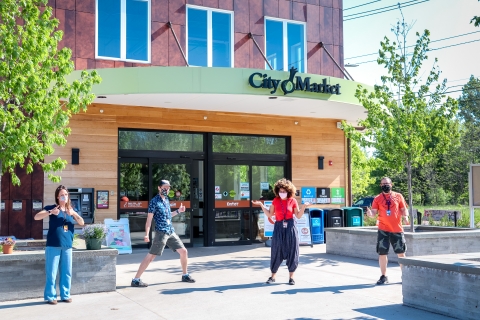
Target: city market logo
{"x":289,"y":85}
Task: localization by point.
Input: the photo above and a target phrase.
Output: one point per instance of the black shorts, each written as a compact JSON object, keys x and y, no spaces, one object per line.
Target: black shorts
{"x":384,"y":239}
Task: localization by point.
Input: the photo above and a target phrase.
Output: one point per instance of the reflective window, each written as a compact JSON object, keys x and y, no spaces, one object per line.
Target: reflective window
{"x":285,"y":44}
{"x":249,"y":144}
{"x":123,"y":30}
{"x":209,"y":37}
{"x":275,"y":44}
{"x":197,"y":37}
{"x":137,"y":28}
{"x":156,"y":141}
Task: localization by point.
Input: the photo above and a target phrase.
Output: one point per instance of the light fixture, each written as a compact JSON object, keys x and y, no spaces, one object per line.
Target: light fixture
{"x":330,"y":162}
{"x":320,"y":162}
{"x":296,"y":122}
{"x":101,"y":97}
{"x":101,"y":110}
{"x":205,"y":118}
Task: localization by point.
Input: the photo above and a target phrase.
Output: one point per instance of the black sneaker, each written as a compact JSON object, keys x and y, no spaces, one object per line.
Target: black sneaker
{"x":138,"y":283}
{"x":187,"y":278}
{"x":291,"y":282}
{"x":383,"y":279}
{"x":270,"y":280}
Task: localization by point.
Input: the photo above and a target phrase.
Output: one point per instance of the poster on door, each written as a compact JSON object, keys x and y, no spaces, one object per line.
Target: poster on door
{"x":303,"y":228}
{"x":269,"y":223}
{"x":118,"y":235}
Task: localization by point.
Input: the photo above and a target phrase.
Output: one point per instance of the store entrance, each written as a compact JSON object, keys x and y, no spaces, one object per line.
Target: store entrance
{"x":139,"y":184}
{"x":236,"y":184}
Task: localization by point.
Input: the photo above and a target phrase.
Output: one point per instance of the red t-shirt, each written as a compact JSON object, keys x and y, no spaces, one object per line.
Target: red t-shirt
{"x":284,"y":208}
{"x":392,"y":222}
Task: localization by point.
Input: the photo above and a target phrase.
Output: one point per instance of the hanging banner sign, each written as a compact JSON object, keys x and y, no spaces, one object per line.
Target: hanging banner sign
{"x":118,"y":235}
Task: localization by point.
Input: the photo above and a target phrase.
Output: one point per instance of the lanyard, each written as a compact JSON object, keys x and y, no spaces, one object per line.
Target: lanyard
{"x":388,"y":202}
{"x":284,"y":210}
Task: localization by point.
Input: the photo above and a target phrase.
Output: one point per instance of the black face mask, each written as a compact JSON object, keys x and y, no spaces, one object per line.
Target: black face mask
{"x":386,"y":188}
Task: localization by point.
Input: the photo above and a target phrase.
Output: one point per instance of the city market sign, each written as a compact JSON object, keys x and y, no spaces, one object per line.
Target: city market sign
{"x":293,"y":83}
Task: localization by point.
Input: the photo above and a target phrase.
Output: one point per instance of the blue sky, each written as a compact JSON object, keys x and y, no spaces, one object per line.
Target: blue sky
{"x":444,"y":18}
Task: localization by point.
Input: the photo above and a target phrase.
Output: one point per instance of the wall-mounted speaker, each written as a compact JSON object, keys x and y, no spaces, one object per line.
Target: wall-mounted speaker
{"x":75,"y":156}
{"x":320,"y":162}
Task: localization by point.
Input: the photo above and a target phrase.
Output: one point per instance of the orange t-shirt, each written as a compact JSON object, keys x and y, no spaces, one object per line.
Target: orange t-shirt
{"x":285,"y":211}
{"x":393,"y":222}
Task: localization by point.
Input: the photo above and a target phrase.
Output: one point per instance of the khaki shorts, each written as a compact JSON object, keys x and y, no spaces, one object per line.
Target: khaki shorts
{"x":162,"y":239}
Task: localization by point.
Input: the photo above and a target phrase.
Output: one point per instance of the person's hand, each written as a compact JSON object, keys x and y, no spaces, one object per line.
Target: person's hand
{"x":405,"y":220}
{"x":306,"y":204}
{"x":182,"y":208}
{"x":256,"y":202}
{"x":146,"y":238}
{"x":55,"y":211}
{"x":70,"y":212}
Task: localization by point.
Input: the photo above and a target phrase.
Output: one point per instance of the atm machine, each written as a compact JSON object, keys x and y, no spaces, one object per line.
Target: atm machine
{"x":82,"y":202}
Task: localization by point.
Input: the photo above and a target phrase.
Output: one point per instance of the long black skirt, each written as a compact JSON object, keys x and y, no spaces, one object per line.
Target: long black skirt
{"x":284,"y":246}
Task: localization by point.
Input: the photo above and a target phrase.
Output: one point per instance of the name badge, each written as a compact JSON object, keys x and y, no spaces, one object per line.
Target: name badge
{"x":65,"y":228}
{"x":388,"y":212}
{"x":285,"y":224}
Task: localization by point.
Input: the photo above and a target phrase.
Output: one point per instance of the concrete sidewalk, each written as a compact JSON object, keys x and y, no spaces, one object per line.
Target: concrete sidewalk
{"x":231,"y":285}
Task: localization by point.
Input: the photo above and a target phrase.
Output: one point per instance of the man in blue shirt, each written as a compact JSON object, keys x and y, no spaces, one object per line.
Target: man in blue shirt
{"x":159,"y":209}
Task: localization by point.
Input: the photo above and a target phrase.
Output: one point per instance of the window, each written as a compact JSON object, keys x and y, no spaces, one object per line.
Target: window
{"x":209,"y":37}
{"x":160,"y":141}
{"x":123,"y":30}
{"x":285,"y":44}
{"x":249,"y":144}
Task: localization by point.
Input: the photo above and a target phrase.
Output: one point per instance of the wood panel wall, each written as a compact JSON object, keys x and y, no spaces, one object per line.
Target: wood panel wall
{"x":96,"y":135}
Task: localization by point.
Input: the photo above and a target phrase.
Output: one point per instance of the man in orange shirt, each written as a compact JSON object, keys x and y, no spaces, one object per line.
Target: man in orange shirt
{"x":391,"y":208}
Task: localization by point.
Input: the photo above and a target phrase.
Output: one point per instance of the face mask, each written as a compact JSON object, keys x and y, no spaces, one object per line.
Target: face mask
{"x":386,"y":188}
{"x":283,"y":195}
{"x":63,"y":198}
{"x":164,"y":192}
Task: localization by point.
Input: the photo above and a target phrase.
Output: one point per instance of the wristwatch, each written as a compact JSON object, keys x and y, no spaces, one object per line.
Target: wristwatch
{"x":49,"y":212}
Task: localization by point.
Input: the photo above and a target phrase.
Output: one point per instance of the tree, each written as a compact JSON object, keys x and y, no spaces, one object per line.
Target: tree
{"x":362,"y":167}
{"x":408,"y":121}
{"x":36,"y":101}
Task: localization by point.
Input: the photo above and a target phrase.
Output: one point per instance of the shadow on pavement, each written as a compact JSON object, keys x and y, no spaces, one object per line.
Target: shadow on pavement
{"x":335,"y":289}
{"x":21,"y":305}
{"x":218,"y":289}
{"x":397,"y":312}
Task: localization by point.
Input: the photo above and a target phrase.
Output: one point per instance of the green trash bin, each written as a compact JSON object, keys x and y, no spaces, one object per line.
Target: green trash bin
{"x":353,"y":217}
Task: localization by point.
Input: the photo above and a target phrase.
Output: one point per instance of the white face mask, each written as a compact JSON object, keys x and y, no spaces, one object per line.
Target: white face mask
{"x":282,"y":195}
{"x":63,"y":198}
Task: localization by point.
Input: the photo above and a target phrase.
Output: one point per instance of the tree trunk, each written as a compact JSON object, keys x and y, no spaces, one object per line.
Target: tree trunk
{"x":410,"y":194}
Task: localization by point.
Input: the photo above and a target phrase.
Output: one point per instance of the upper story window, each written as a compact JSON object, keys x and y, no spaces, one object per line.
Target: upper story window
{"x":209,"y":37}
{"x":285,"y":44}
{"x":123,"y":30}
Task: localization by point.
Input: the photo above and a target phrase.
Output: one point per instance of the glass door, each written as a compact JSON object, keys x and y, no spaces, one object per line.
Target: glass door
{"x":232,"y":203}
{"x":134,"y":196}
{"x":263,"y":181}
{"x":179,"y":175}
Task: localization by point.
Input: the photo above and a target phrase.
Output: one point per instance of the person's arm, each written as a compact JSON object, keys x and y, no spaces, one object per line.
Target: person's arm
{"x":147,"y":227}
{"x":299,"y":212}
{"x":373,"y":212}
{"x":42,"y":214}
{"x":46,"y":212}
{"x":269,"y":212}
{"x":78,"y":219}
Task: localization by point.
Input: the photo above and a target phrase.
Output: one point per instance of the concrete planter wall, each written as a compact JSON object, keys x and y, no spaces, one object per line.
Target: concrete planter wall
{"x":445,"y":284}
{"x":361,"y":242}
{"x":23,"y":273}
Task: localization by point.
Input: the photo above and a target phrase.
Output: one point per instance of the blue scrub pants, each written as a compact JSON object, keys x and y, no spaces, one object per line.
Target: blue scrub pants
{"x":55,"y":257}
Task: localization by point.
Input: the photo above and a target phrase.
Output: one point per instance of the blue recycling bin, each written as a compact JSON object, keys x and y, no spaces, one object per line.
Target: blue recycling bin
{"x":317,"y":225}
